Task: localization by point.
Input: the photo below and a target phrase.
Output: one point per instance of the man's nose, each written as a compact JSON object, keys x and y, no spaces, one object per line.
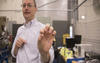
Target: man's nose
{"x":26,"y":7}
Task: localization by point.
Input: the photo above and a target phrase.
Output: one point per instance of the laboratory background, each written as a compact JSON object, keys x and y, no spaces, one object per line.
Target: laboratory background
{"x":77,"y":23}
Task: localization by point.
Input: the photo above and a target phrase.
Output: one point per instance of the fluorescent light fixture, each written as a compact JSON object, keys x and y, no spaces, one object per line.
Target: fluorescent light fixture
{"x":71,"y":31}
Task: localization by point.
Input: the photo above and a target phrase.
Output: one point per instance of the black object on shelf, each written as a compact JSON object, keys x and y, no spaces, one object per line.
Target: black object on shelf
{"x":70,"y":43}
{"x":78,"y":39}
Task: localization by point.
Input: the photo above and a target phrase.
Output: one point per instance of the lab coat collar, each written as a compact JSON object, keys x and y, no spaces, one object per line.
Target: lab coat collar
{"x":30,"y":22}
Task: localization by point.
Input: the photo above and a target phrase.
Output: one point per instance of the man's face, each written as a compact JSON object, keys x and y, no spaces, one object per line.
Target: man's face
{"x":28,"y":9}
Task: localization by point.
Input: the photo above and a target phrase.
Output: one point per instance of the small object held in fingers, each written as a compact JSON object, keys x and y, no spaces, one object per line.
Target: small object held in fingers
{"x":47,"y":27}
{"x":54,"y":33}
{"x":51,"y":29}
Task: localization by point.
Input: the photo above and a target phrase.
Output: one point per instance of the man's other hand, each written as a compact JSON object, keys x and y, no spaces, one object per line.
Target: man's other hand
{"x":20,"y":42}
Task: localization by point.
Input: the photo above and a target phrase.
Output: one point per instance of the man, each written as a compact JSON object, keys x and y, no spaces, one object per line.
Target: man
{"x":33,"y":42}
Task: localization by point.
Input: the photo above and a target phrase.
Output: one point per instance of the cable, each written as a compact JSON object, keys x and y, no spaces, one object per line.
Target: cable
{"x":47,"y":3}
{"x":80,"y":5}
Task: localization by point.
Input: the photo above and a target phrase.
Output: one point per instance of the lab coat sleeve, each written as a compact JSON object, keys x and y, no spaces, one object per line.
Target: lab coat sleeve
{"x":51,"y":51}
{"x":13,"y":46}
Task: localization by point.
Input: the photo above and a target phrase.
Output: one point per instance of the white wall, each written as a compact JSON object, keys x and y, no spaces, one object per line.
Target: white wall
{"x":8,"y":8}
{"x":54,"y":11}
{"x":89,"y":27}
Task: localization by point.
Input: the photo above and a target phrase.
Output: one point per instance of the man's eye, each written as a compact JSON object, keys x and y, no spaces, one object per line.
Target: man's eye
{"x":30,"y":5}
{"x":24,"y":5}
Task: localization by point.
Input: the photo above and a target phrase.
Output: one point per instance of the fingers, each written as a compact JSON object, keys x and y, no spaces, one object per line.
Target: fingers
{"x":51,"y":29}
{"x":20,"y":42}
{"x":41,"y":34}
{"x":42,"y":31}
{"x":54,"y":33}
{"x":48,"y":29}
{"x":47,"y":32}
